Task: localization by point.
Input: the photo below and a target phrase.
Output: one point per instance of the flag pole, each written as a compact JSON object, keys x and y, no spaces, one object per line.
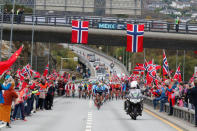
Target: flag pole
{"x":1,"y":30}
{"x":177,"y":53}
{"x":123,"y":55}
{"x":33,"y":28}
{"x":144,"y":61}
{"x":12,"y":26}
{"x":184,"y":66}
{"x":126,"y":60}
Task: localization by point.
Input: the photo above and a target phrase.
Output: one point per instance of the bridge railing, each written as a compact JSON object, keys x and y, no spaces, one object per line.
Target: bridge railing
{"x":179,"y":112}
{"x":111,"y":22}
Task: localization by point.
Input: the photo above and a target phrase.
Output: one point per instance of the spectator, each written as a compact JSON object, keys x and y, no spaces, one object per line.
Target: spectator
{"x":194,"y":99}
{"x":6,"y":15}
{"x":9,"y":96}
{"x":177,"y":22}
{"x":171,"y":95}
{"x":162,"y":98}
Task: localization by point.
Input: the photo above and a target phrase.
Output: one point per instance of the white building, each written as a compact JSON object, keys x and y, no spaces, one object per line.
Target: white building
{"x":194,"y":15}
{"x":180,"y":5}
{"x":129,"y":7}
{"x":170,"y":12}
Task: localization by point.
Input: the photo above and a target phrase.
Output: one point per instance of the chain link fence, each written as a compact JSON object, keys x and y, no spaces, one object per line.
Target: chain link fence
{"x":39,"y":63}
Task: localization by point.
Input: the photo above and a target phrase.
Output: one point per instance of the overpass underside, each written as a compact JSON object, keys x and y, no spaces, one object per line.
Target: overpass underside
{"x":59,"y":34}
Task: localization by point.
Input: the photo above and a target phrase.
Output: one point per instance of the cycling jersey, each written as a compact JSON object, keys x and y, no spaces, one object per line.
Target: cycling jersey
{"x":99,"y":90}
{"x":80,"y":87}
{"x":85,"y":87}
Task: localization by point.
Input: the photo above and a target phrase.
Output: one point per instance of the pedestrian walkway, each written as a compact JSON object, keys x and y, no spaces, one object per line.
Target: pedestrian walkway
{"x":181,"y":123}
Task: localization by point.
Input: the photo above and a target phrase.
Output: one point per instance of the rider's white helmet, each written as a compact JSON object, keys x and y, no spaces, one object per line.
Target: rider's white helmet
{"x":133,"y":84}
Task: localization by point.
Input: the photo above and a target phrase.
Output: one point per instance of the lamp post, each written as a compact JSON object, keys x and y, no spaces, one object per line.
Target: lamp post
{"x":12,"y":21}
{"x":32,"y":39}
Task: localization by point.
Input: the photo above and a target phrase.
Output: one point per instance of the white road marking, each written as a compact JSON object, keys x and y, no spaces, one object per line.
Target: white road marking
{"x":1,"y":126}
{"x":89,"y":120}
{"x":90,"y":104}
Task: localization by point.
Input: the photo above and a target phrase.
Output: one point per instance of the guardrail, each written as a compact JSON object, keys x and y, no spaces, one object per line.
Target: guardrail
{"x":108,"y":57}
{"x":106,"y":22}
{"x":179,"y":112}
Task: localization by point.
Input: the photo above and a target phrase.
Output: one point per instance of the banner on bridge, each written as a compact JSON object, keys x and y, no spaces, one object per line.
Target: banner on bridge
{"x":111,"y":26}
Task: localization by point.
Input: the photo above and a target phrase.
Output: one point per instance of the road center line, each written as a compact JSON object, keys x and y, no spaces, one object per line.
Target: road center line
{"x":163,"y":120}
{"x":89,"y":121}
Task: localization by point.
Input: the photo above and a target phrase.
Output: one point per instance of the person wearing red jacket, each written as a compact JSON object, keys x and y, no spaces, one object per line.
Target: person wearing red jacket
{"x":171,"y":95}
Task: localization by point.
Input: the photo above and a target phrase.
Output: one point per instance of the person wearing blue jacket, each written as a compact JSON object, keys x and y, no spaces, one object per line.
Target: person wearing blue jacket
{"x":2,"y":87}
{"x":162,"y":99}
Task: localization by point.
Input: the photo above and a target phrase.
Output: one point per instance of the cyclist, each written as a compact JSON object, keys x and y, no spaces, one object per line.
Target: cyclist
{"x":89,"y":90}
{"x":80,"y":89}
{"x":73,"y":90}
{"x":98,"y":93}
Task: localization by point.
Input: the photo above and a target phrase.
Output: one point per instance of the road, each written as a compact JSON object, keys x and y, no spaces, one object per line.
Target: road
{"x":107,"y":62}
{"x":81,"y":115}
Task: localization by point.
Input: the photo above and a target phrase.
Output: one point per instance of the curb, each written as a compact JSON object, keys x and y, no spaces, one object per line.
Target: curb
{"x":2,"y":126}
{"x":171,"y":119}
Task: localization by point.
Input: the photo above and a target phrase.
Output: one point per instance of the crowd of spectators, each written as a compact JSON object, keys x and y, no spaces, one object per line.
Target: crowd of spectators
{"x":21,"y":98}
{"x":17,"y":15}
{"x":181,"y":94}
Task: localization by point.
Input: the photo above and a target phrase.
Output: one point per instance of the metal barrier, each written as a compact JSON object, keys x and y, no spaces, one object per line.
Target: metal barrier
{"x":59,"y":20}
{"x":108,"y":57}
{"x":179,"y":112}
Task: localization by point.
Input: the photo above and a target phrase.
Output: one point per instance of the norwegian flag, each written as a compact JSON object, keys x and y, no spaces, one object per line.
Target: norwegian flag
{"x":36,"y":74}
{"x":165,"y":64}
{"x":46,"y":71}
{"x":80,"y":31}
{"x":152,"y":73}
{"x":135,"y":38}
{"x":27,"y":70}
{"x":177,"y":74}
{"x":138,"y":69}
{"x":20,"y":74}
{"x":147,"y":65}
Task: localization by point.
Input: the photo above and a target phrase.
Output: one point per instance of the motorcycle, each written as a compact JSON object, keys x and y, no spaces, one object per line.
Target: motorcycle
{"x":134,"y":104}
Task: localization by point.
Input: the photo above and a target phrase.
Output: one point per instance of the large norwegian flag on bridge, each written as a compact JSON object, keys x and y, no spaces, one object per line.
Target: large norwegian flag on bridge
{"x":80,"y":31}
{"x":135,"y":38}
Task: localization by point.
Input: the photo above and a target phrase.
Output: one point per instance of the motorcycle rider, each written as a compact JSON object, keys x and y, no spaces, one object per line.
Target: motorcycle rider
{"x":134,"y":89}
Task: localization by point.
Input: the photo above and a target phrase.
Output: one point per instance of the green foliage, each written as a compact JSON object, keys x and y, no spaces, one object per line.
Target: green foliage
{"x":26,"y":9}
{"x":60,"y":52}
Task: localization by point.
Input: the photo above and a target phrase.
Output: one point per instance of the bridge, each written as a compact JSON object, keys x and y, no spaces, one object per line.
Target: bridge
{"x":55,"y":30}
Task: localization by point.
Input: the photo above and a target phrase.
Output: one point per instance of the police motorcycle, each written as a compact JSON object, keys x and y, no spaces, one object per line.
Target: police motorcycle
{"x":134,"y":101}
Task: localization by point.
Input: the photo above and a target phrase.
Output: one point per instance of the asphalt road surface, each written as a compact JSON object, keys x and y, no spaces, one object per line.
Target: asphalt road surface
{"x":70,"y":114}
